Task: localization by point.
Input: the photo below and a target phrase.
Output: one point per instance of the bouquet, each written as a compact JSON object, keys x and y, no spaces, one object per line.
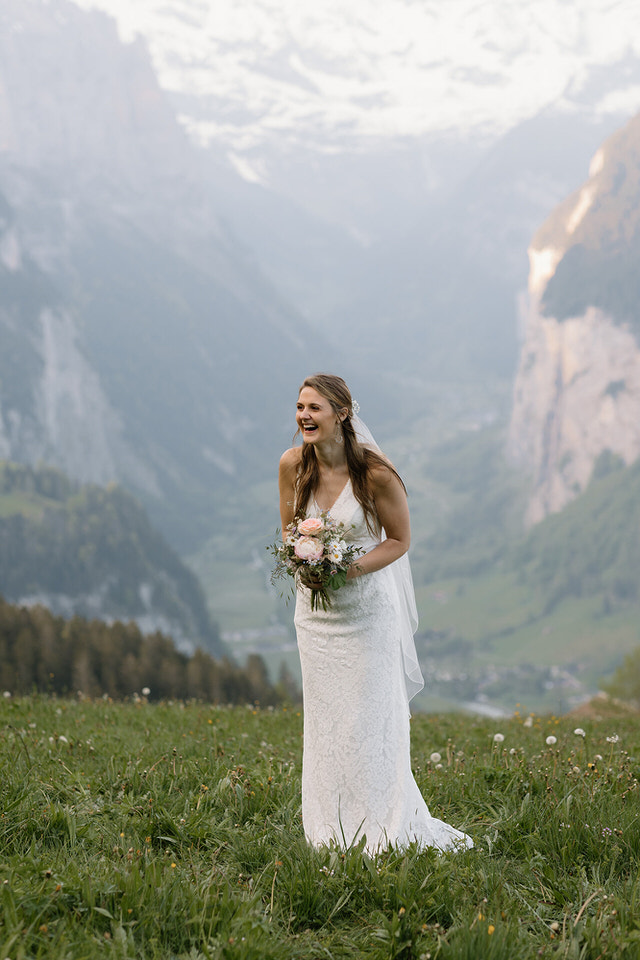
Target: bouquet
{"x":318,"y":545}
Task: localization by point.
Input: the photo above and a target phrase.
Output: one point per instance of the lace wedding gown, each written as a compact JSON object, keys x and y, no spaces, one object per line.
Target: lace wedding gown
{"x":356,"y":771}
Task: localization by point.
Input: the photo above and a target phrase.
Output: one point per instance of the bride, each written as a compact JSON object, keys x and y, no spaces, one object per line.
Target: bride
{"x":359,"y":665}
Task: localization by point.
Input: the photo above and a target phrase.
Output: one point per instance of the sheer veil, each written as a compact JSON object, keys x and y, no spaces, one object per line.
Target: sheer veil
{"x":401,"y":570}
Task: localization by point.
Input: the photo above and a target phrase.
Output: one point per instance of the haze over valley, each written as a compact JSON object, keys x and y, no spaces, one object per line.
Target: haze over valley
{"x":201,"y":204}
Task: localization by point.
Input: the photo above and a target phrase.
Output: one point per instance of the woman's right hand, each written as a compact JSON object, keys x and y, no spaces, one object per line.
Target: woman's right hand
{"x":309,"y":578}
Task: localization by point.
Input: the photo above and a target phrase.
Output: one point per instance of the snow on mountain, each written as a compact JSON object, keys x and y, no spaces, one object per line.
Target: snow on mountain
{"x":331,"y":75}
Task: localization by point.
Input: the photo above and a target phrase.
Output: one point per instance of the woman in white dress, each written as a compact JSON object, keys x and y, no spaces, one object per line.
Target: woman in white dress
{"x":359,"y":667}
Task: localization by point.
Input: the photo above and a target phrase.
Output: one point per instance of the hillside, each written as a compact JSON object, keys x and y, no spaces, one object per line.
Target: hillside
{"x":89,"y":550}
{"x":535,"y":617}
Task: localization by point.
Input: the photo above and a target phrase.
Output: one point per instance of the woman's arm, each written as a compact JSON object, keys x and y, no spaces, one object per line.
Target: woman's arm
{"x":393,"y":513}
{"x":286,"y":482}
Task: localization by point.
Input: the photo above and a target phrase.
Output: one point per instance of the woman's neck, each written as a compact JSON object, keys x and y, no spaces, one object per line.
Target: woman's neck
{"x":331,"y":456}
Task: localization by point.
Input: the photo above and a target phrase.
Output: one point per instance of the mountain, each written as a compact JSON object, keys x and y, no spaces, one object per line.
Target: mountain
{"x":91,"y":551}
{"x":577,"y":392}
{"x":388,"y":162}
{"x":304,"y":74}
{"x":355,"y":111}
{"x":141,"y":341}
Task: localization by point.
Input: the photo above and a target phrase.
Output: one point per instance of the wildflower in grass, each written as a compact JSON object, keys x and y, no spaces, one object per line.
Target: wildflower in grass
{"x":6,"y":694}
{"x":528,"y":722}
{"x":498,"y":737}
{"x":490,"y":929}
{"x":146,"y":691}
{"x":435,"y":758}
{"x":607,"y":831}
{"x":614,"y":739}
{"x":579,"y":732}
{"x":551,"y":740}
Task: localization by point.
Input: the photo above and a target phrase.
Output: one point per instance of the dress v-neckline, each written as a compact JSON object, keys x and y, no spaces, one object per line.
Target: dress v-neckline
{"x":337,"y":499}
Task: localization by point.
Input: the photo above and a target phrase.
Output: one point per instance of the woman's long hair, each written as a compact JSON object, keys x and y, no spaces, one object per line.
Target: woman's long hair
{"x":360,"y":459}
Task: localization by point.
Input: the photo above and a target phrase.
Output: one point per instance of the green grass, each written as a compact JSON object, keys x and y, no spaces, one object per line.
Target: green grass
{"x":173,"y":831}
{"x":508,"y":624}
{"x":28,"y":504}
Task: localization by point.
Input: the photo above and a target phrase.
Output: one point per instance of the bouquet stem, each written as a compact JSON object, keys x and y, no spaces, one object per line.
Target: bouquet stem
{"x":320,"y":598}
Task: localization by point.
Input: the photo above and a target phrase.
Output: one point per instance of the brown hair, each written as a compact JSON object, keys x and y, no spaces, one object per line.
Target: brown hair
{"x":360,"y":459}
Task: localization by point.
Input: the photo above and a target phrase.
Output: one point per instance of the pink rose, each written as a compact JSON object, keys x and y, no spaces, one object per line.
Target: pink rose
{"x":308,"y":548}
{"x":311,"y":526}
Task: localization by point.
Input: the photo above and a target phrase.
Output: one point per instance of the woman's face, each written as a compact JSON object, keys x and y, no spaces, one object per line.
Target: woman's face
{"x":315,"y":416}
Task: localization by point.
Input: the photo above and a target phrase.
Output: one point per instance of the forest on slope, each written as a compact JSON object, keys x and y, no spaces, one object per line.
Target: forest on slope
{"x":78,"y":657}
{"x":82,"y":548}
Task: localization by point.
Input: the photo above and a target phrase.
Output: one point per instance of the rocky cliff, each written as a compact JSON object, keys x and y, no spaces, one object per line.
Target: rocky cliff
{"x":577,"y":390}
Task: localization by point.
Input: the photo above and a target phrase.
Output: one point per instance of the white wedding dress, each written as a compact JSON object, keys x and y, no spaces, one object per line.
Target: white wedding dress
{"x":356,"y":772}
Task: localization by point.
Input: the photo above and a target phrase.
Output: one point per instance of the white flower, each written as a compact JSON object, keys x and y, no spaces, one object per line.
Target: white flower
{"x":146,"y":691}
{"x":513,"y":751}
{"x":528,"y":722}
{"x":579,"y":732}
{"x":63,"y":739}
{"x":613,"y":739}
{"x":435,"y":758}
{"x":498,"y":737}
{"x":551,"y":740}
{"x":438,"y":766}
{"x":576,"y":769}
{"x":6,"y":694}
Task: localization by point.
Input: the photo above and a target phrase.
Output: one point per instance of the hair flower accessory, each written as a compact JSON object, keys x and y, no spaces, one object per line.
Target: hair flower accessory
{"x":355,"y":406}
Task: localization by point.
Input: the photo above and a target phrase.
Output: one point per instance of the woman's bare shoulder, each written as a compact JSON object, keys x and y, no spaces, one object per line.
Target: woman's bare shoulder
{"x":382,"y":474}
{"x":290,"y":459}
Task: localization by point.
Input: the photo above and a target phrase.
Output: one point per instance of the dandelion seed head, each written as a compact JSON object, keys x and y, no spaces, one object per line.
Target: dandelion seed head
{"x":435,"y":757}
{"x":498,"y":737}
{"x":579,"y":732}
{"x":551,"y":740}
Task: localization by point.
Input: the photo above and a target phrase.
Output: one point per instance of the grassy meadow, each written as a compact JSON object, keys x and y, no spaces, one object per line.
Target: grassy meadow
{"x":172,"y":830}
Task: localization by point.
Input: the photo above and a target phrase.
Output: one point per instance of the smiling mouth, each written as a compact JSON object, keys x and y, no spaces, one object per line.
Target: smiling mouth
{"x":309,"y":427}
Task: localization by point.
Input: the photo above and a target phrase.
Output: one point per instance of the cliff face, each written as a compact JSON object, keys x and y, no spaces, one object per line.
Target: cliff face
{"x":577,"y":390}
{"x":138,"y":338}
